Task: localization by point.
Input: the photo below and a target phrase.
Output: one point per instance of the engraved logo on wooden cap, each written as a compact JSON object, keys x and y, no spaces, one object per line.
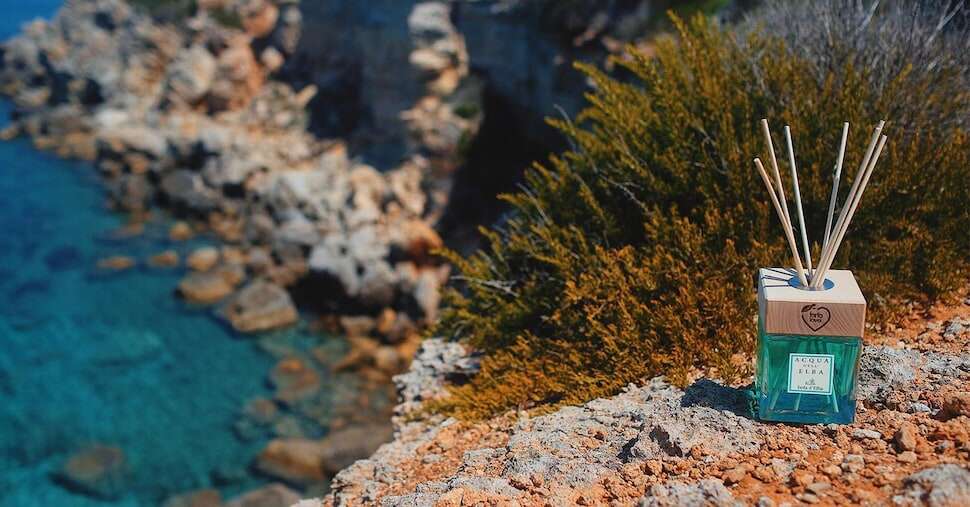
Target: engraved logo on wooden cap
{"x":816,"y":316}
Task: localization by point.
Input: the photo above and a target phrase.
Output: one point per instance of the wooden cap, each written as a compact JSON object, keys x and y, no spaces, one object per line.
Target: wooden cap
{"x":786,"y":309}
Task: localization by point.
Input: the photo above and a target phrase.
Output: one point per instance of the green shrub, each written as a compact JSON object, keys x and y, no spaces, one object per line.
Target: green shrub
{"x":633,"y":254}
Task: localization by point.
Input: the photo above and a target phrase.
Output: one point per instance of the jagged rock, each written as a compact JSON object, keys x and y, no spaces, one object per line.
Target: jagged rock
{"x":186,"y":189}
{"x":272,"y":59}
{"x":191,"y":74}
{"x":238,"y":76}
{"x":260,"y":306}
{"x":203,"y":259}
{"x":258,"y":17}
{"x":706,"y":493}
{"x":273,"y":495}
{"x":204,"y":288}
{"x":100,"y":471}
{"x":939,"y":486}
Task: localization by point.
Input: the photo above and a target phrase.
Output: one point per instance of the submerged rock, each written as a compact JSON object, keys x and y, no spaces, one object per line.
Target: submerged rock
{"x":166,"y":259}
{"x":203,"y":259}
{"x":294,"y":380}
{"x":201,"y":498}
{"x":116,"y":263}
{"x":273,"y":495}
{"x":100,"y":471}
{"x":296,"y":461}
{"x":260,"y":306}
{"x":204,"y":288}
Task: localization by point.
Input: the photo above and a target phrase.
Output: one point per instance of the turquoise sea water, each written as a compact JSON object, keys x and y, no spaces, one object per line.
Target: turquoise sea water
{"x":87,"y":357}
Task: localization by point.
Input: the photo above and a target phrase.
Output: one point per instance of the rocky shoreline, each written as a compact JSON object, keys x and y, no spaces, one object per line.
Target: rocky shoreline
{"x":188,"y":117}
{"x":655,"y":444}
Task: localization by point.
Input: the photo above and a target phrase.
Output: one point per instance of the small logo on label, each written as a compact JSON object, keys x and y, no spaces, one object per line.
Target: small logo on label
{"x":810,"y":373}
{"x":815,"y":316}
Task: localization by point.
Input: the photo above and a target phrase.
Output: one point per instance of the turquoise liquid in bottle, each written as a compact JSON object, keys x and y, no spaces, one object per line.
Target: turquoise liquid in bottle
{"x":807,"y":379}
{"x":809,"y":344}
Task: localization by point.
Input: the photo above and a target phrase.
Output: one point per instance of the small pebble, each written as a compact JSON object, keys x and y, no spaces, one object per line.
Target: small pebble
{"x":853,"y":463}
{"x":831,"y":470}
{"x":863,"y":434}
{"x":766,"y":502}
{"x":905,"y":437}
{"x":818,"y":487}
{"x":906,"y":457}
{"x":807,"y":497}
{"x":802,"y":478}
{"x":734,"y":476}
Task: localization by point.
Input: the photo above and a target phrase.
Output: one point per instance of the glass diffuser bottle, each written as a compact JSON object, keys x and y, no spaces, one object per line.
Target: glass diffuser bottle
{"x":809,"y":343}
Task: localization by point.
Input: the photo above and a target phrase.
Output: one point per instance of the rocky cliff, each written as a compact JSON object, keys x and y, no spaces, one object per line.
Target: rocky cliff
{"x":322,"y":142}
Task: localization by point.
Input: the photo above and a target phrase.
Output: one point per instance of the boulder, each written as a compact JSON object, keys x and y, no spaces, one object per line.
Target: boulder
{"x":203,"y":259}
{"x":180,"y":231}
{"x":273,"y":495}
{"x":100,"y":471}
{"x":297,"y":461}
{"x":186,"y":189}
{"x":191,"y":74}
{"x":204,"y":288}
{"x":260,"y":306}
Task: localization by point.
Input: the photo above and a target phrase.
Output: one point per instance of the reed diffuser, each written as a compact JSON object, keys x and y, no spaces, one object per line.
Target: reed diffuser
{"x":811,"y":319}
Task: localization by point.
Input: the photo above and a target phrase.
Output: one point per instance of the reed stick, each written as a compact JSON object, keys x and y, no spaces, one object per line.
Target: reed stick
{"x":852,"y":192}
{"x":798,"y":200}
{"x":835,"y":186}
{"x":784,"y":222}
{"x":855,"y":204}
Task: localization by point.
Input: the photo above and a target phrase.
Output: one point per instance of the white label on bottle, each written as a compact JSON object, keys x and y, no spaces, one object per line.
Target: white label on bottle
{"x":810,"y":373}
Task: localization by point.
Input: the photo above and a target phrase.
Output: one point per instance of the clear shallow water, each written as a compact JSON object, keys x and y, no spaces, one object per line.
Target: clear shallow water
{"x":87,"y":357}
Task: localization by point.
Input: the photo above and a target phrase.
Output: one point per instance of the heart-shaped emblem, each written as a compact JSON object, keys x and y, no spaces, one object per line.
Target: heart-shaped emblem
{"x":815,"y":316}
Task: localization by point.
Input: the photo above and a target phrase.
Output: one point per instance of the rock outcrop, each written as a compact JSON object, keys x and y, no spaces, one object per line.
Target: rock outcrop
{"x":187,"y":116}
{"x":656,"y":444}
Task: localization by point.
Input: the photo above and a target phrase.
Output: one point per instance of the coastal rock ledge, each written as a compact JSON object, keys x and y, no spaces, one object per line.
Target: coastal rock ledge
{"x":658,"y":445}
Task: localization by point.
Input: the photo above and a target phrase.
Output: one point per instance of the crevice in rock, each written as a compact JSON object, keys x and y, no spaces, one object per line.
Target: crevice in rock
{"x":495,"y":162}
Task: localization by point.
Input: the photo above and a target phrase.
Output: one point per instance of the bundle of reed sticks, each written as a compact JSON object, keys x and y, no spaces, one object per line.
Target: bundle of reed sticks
{"x":808,"y":277}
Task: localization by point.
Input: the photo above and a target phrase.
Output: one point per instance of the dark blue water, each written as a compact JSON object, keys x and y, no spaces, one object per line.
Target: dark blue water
{"x":87,"y":357}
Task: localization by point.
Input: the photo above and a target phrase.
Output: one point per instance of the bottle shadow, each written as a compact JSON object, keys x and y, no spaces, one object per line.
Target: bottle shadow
{"x":707,"y":393}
